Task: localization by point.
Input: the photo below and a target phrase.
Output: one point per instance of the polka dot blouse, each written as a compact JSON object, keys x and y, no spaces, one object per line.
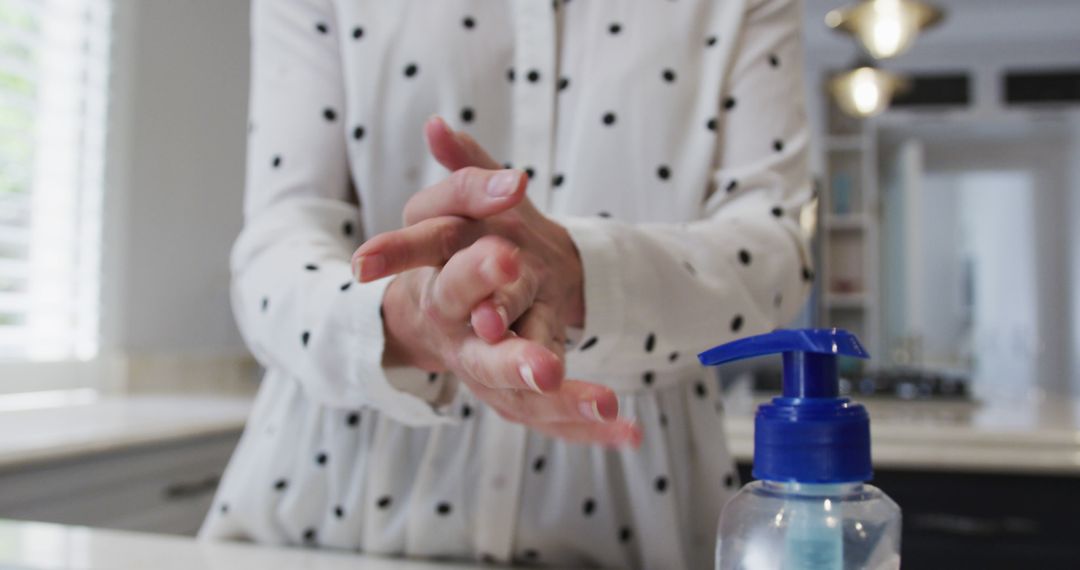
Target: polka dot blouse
{"x":669,"y":137}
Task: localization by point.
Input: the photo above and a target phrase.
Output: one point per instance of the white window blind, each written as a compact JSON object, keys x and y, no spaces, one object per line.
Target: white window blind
{"x":54,"y":57}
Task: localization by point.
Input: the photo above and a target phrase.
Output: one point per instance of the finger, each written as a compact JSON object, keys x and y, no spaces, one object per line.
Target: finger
{"x":541,"y":324}
{"x":573,"y":402}
{"x":430,"y":243}
{"x":471,"y":192}
{"x":513,"y":363}
{"x":615,"y":434}
{"x":492,"y":317}
{"x":470,"y":276}
{"x":454,"y":149}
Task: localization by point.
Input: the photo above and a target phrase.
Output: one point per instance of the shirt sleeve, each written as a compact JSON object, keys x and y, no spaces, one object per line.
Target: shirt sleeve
{"x":296,"y":303}
{"x":653,"y":291}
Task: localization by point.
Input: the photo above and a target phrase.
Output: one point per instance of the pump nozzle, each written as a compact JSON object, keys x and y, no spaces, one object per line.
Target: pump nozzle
{"x":810,"y":434}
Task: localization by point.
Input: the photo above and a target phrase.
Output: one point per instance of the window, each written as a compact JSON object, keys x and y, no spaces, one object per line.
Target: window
{"x":54,"y":57}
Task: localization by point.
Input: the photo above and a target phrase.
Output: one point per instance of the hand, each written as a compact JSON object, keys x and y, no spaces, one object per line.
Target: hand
{"x":490,"y":281}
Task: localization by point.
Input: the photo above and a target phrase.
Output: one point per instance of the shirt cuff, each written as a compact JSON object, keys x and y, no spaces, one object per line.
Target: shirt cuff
{"x":604,"y":295}
{"x":408,"y":395}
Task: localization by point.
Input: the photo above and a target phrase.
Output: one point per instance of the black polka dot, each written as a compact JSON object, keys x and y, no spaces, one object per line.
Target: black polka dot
{"x":352,"y":419}
{"x":329,"y":114}
{"x":411,"y":70}
{"x":736,"y":323}
{"x":807,"y":274}
{"x":588,"y":507}
{"x":729,"y":480}
{"x":650,"y":342}
{"x":660,"y":484}
{"x":432,"y":377}
{"x":710,"y":41}
{"x":358,"y":132}
{"x":508,"y":165}
{"x":345,"y":286}
{"x":732,"y":185}
{"x":557,"y":180}
{"x":604,"y":214}
{"x":510,"y":76}
{"x":700,"y":390}
{"x":625,"y":534}
{"x":729,"y":103}
{"x":778,"y":211}
{"x":530,"y":172}
{"x":614,"y":28}
{"x":265,"y":304}
{"x":309,"y":535}
{"x":311,"y":267}
{"x":443,"y":509}
{"x":711,"y":124}
{"x":689,"y":268}
{"x":533,"y":76}
{"x":538,"y":464}
{"x":777,"y":300}
{"x":305,"y":337}
{"x":224,"y":508}
{"x":778,"y":145}
{"x":339,"y":512}
{"x":322,"y":28}
{"x":466,"y":410}
{"x":608,"y":118}
{"x":347,"y":228}
{"x":673,"y":357}
{"x":276,"y":161}
{"x":744,"y":257}
{"x":468,"y":22}
{"x":588,"y":343}
{"x":357,"y":33}
{"x":668,"y":75}
{"x":564,"y":82}
{"x":647,"y":378}
{"x":663,"y":172}
{"x":280,"y":484}
{"x":320,"y":458}
{"x":467,"y":115}
{"x":774,"y":60}
{"x":663,"y":420}
{"x":384,"y":502}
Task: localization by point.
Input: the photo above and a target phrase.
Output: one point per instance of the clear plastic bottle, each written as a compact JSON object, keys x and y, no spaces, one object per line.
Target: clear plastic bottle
{"x":793,"y":526}
{"x":811,"y":508}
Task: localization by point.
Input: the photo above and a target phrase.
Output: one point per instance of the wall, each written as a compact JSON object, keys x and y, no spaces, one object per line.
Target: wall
{"x":173,"y":206}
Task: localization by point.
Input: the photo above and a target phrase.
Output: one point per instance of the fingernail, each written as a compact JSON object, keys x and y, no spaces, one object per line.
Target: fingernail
{"x":527,"y":377}
{"x":503,"y":183}
{"x":503,"y":316}
{"x":368,"y":267}
{"x":591,"y":412}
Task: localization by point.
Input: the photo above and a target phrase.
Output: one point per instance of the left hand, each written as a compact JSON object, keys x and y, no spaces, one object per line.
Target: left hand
{"x":447,"y":217}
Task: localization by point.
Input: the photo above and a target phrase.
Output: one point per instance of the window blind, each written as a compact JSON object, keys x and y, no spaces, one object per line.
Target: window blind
{"x":54,"y":57}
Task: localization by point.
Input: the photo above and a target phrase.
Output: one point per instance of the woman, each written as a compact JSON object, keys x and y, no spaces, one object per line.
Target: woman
{"x":428,"y":406}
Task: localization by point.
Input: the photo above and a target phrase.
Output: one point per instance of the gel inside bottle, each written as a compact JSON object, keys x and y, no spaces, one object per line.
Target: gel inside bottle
{"x":810,"y":508}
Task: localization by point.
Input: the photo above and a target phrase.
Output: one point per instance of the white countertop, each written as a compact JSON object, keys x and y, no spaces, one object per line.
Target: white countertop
{"x":40,"y":546}
{"x":1017,"y":438}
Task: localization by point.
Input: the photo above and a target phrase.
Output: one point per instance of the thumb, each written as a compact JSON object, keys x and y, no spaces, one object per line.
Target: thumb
{"x":455,"y":150}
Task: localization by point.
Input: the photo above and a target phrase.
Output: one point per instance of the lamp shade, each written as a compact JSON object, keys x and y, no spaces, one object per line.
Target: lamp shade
{"x":885,"y":28}
{"x":864,"y":91}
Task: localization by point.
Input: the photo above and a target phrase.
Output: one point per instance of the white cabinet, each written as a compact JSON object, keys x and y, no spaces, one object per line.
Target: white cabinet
{"x":165,"y":487}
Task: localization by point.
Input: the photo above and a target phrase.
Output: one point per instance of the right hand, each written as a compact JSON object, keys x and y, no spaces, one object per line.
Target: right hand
{"x":426,"y":316}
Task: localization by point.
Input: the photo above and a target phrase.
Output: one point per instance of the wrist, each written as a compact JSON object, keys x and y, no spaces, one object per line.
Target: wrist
{"x":574,"y":309}
{"x":403,"y":338}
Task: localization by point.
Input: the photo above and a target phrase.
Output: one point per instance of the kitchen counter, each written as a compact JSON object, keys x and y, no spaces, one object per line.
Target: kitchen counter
{"x":1041,"y":437}
{"x":41,"y":546}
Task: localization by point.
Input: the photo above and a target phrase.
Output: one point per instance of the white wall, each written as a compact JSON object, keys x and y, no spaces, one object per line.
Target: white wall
{"x":173,"y":205}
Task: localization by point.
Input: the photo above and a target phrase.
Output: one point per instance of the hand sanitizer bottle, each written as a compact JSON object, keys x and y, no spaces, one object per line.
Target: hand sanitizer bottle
{"x":810,"y":508}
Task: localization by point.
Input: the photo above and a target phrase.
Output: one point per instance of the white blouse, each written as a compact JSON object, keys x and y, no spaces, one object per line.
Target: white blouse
{"x":668,"y":136}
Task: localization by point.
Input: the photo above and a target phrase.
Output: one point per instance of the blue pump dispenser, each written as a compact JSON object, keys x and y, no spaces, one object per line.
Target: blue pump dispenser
{"x":810,"y":509}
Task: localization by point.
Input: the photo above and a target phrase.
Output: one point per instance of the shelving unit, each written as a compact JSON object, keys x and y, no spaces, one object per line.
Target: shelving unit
{"x":848,"y":247}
